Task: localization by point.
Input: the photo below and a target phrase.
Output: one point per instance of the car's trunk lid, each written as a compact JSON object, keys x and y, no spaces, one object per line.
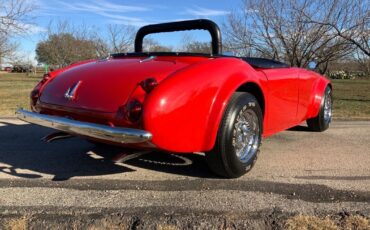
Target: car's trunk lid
{"x":106,"y":85}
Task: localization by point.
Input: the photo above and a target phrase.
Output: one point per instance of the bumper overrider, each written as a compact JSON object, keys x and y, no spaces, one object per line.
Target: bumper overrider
{"x":103,"y":132}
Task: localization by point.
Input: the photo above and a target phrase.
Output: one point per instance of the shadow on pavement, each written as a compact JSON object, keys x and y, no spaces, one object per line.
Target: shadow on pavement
{"x":22,"y":149}
{"x":300,"y":128}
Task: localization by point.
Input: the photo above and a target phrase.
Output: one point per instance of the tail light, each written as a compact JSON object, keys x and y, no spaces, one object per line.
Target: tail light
{"x":149,"y":84}
{"x":45,"y":79}
{"x":35,"y":93}
{"x":133,"y":111}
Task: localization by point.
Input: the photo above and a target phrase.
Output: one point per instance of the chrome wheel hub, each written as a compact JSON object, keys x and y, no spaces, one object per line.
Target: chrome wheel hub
{"x":246,"y":135}
{"x":328,"y":108}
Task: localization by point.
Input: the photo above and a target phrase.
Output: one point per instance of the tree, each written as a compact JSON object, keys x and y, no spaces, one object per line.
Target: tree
{"x":198,"y":47}
{"x":13,"y":15}
{"x":118,"y":39}
{"x":65,"y":43}
{"x":63,"y":49}
{"x":348,"y":19}
{"x":190,"y":45}
{"x":151,"y":45}
{"x":7,"y":48}
{"x":277,"y":29}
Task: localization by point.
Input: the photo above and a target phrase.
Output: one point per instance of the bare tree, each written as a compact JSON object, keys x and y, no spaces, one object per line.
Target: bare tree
{"x":192,"y":46}
{"x":348,"y":19}
{"x":7,"y":48}
{"x":277,"y":29}
{"x":117,"y":39}
{"x":198,"y":47}
{"x":151,"y":45}
{"x":120,"y":38}
{"x":13,"y":17}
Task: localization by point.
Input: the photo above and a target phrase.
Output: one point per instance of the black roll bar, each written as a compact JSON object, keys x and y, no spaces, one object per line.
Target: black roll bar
{"x":199,"y":24}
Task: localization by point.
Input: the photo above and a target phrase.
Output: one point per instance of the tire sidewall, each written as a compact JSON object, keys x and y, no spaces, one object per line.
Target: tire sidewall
{"x":328,"y":93}
{"x":244,"y":102}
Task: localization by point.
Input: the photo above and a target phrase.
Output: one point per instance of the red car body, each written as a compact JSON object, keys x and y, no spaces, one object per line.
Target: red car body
{"x":184,"y":108}
{"x":184,"y":111}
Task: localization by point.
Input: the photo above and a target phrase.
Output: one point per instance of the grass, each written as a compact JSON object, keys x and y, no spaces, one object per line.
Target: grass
{"x":305,"y":222}
{"x":15,"y":89}
{"x":17,"y":224}
{"x":351,"y":97}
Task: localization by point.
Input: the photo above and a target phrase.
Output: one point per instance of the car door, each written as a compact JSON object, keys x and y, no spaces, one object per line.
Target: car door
{"x":282,"y":101}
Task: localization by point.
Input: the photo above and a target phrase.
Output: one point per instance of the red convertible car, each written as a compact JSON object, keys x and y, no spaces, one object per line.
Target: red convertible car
{"x":182,"y":102}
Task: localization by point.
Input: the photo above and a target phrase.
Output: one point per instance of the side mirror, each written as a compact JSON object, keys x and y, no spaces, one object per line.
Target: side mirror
{"x":312,"y":65}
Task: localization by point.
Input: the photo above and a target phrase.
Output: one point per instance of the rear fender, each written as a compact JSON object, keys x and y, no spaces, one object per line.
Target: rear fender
{"x":184,"y":111}
{"x":317,"y":95}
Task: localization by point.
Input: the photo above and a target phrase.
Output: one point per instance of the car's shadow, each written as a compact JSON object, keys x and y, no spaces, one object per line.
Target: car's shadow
{"x":23,"y":154}
{"x":300,"y":128}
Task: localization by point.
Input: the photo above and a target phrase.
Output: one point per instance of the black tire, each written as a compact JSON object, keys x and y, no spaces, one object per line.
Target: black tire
{"x":321,"y":122}
{"x":223,"y":159}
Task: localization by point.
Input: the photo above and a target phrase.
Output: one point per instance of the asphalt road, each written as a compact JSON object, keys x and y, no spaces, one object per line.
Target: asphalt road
{"x":297,"y":172}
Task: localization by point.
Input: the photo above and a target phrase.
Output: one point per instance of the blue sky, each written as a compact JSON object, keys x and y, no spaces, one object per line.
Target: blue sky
{"x":99,"y":13}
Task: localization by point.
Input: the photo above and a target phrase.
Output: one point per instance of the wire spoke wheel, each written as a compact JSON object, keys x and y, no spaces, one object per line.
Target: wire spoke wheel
{"x":239,"y":137}
{"x":246,"y":135}
{"x":328,"y":107}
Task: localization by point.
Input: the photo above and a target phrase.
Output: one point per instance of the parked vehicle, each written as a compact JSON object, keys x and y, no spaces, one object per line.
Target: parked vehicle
{"x":182,"y":102}
{"x":22,"y":69}
{"x":8,"y":69}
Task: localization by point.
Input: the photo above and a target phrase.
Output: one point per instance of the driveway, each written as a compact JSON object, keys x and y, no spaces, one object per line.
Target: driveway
{"x":297,"y":172}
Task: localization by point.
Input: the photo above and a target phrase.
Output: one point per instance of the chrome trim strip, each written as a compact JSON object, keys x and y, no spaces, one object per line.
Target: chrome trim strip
{"x":103,"y":132}
{"x":148,"y":59}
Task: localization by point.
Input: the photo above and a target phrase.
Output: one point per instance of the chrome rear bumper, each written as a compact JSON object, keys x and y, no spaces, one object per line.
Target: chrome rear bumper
{"x":103,"y":132}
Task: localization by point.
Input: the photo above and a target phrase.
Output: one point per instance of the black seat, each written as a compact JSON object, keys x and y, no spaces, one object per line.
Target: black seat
{"x":264,"y":63}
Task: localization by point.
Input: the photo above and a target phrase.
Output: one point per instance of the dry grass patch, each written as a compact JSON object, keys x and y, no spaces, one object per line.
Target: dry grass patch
{"x":304,"y":222}
{"x":17,"y":224}
{"x":356,"y":222}
{"x":166,"y":227}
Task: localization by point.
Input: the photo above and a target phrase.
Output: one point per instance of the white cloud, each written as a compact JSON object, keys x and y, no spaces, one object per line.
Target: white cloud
{"x":109,"y":10}
{"x":32,"y":29}
{"x":97,"y":6}
{"x":120,"y":19}
{"x":205,"y":12}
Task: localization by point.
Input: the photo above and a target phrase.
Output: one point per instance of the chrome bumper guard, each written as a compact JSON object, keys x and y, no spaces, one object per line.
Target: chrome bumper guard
{"x":103,"y":132}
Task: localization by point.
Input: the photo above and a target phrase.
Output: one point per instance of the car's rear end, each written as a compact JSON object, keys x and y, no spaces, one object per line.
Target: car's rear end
{"x":103,"y":99}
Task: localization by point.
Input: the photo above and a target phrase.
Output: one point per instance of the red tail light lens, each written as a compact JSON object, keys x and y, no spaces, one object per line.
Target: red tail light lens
{"x":45,"y":78}
{"x":35,"y":93}
{"x":133,"y":110}
{"x":34,"y":96}
{"x":149,"y":84}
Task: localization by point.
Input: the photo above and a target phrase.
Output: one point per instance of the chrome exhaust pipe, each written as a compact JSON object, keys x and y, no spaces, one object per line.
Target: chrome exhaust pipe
{"x":56,"y":136}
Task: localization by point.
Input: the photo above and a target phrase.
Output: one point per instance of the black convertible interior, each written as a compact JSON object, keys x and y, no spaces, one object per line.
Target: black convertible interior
{"x":264,"y":63}
{"x":253,"y":61}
